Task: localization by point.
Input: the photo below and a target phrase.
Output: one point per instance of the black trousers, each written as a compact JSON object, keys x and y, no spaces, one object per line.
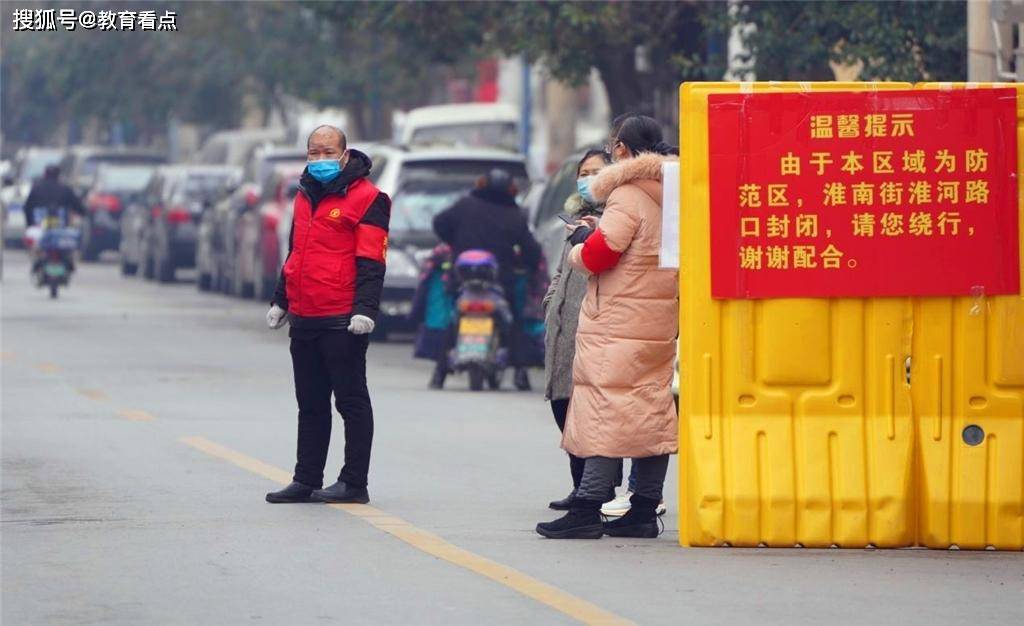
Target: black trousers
{"x":560,"y":409}
{"x":325,"y":363}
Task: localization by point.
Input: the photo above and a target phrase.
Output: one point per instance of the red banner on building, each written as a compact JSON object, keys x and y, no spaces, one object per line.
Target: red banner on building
{"x":887,"y":193}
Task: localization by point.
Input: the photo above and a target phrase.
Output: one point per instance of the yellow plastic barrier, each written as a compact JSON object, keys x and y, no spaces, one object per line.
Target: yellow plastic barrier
{"x":967,"y":383}
{"x":795,"y":417}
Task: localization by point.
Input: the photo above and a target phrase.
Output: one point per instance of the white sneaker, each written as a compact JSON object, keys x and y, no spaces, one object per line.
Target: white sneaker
{"x":619,"y":506}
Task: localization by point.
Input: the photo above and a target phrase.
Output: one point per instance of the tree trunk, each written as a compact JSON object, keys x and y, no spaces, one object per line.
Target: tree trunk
{"x":625,"y":89}
{"x":357,"y":109}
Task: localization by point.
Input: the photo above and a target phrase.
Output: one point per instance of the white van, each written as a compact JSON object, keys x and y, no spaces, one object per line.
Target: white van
{"x":479,"y":125}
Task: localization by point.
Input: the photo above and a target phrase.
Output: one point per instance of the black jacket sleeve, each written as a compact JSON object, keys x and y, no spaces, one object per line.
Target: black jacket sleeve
{"x":73,"y":202}
{"x":280,"y":292}
{"x":446,"y":224}
{"x":371,"y":255}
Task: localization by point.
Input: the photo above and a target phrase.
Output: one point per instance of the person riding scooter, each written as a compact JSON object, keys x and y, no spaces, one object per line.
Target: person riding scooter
{"x":49,"y":204}
{"x":489,"y":218}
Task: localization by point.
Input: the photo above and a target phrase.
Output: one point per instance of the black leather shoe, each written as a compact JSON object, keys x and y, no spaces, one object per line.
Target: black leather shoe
{"x":293,"y":493}
{"x":565,"y":503}
{"x":583,"y":521}
{"x":341,"y":492}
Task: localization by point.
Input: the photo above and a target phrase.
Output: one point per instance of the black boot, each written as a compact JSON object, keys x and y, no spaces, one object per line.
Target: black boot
{"x":437,"y":380}
{"x":293,"y":493}
{"x":565,"y":503}
{"x":522,"y":379}
{"x":640,"y":521}
{"x":341,"y":492}
{"x":581,"y":522}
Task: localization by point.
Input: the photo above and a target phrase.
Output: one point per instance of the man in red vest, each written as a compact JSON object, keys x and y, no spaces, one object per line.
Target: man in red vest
{"x":329,"y":292}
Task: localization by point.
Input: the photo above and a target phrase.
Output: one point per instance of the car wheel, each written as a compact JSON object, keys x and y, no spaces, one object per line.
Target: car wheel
{"x":147,"y":265}
{"x":165,"y":269}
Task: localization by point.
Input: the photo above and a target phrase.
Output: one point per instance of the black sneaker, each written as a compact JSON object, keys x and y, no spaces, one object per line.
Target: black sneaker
{"x":581,"y":522}
{"x":343,"y":493}
{"x":293,"y":493}
{"x":641,"y":521}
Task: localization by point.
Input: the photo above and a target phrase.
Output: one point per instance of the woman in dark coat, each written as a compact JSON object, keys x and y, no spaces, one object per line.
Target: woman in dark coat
{"x":562,"y":310}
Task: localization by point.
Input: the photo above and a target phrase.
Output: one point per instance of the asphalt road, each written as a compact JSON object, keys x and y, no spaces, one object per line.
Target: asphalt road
{"x":142,"y":425}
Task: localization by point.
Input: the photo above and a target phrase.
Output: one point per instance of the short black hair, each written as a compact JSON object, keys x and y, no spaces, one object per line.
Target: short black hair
{"x":342,"y":139}
{"x":596,"y":152}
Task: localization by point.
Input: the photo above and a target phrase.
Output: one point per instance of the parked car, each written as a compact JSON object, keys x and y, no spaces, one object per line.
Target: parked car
{"x":215,"y":244}
{"x":159,"y":233}
{"x":80,"y":163}
{"x":220,"y":230}
{"x":233,"y":147}
{"x":474,"y":125}
{"x":114,"y":188}
{"x":27,"y":166}
{"x":257,"y":247}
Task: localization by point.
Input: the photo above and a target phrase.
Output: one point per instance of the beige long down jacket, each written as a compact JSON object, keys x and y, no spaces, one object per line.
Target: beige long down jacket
{"x":626,"y":343}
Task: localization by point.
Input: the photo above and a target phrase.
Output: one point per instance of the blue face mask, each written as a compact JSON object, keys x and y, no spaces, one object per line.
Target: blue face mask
{"x":583,"y":186}
{"x":324,"y":170}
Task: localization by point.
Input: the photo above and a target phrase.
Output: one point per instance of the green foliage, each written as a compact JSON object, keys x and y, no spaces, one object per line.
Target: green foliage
{"x":370,"y":56}
{"x":902,"y":41}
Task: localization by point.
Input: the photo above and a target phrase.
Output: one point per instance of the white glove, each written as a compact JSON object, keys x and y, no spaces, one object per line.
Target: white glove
{"x":276,"y":317}
{"x":361,"y":325}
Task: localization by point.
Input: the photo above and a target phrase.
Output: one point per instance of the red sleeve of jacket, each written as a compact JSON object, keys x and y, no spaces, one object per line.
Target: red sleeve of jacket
{"x":371,"y":256}
{"x":597,"y":255}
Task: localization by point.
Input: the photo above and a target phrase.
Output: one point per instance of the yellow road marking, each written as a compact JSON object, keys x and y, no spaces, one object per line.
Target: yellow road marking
{"x":47,"y":368}
{"x":136,"y":416}
{"x":432,"y":544}
{"x":93,"y":394}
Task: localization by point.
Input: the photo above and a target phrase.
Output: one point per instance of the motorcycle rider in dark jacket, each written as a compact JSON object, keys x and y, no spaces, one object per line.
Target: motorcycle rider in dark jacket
{"x":488,"y":218}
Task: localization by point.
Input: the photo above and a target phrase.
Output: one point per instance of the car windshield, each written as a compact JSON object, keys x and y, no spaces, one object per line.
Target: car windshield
{"x":416,"y":204}
{"x":91,"y":164}
{"x":428,"y":187}
{"x":202,"y":186}
{"x":128,"y":178}
{"x":33,"y":165}
{"x":475,"y":135}
{"x":266,"y":167}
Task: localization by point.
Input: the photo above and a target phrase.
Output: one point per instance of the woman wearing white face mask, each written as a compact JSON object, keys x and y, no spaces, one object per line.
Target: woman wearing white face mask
{"x":621,"y":403}
{"x":562,"y":311}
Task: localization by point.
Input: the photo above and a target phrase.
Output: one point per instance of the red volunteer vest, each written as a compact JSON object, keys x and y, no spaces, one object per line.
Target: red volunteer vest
{"x":320,"y":274}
